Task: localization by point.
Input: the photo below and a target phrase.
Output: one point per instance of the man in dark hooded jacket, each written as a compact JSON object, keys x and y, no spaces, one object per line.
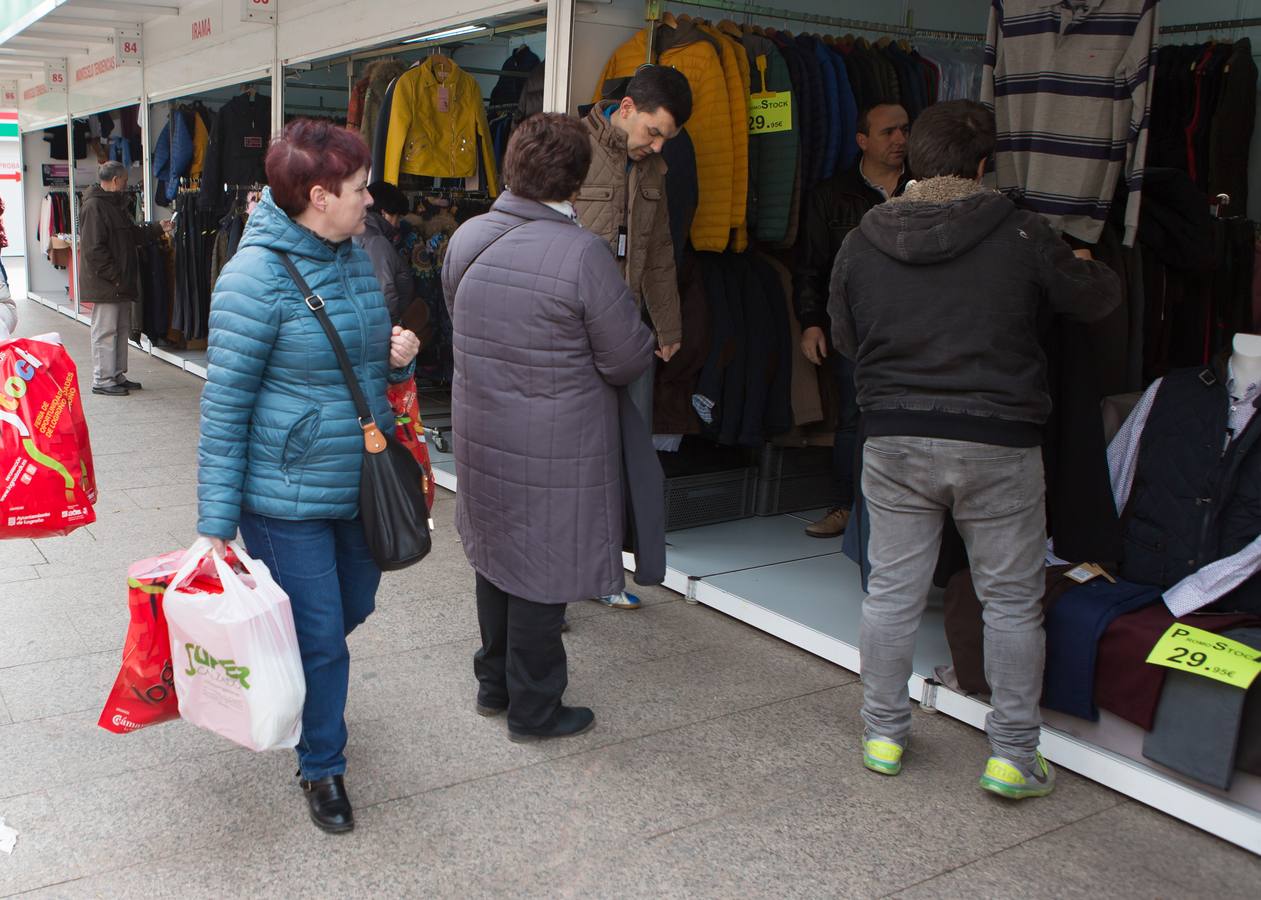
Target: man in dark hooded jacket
{"x":940,"y":297}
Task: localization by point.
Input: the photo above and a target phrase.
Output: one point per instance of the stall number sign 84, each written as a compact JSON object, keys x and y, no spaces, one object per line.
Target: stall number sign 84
{"x":1206,"y":654}
{"x":770,"y":112}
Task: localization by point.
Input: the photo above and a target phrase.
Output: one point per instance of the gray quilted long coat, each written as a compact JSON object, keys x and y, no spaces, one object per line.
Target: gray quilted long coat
{"x":544,"y":328}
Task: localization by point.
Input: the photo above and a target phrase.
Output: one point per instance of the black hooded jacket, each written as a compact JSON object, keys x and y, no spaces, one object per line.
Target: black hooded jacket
{"x":941,"y":297}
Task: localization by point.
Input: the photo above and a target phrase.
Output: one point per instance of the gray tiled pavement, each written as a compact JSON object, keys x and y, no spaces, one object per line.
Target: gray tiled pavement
{"x":723,"y":765}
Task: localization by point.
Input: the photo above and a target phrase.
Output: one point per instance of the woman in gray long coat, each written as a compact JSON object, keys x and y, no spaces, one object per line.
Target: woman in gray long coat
{"x":544,"y":331}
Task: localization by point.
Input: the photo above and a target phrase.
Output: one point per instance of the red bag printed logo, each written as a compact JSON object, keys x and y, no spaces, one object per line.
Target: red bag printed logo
{"x":47,"y":484}
{"x":144,"y":692}
{"x":410,"y":431}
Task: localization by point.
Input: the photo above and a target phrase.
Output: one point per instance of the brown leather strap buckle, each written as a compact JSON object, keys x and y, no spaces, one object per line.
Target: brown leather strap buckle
{"x":373,"y":439}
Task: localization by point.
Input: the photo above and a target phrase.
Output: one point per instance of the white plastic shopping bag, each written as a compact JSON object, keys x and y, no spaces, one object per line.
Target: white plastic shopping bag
{"x":238,"y":671}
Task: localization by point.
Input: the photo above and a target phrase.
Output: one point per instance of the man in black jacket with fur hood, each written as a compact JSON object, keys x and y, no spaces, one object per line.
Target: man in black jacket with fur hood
{"x":940,"y":297}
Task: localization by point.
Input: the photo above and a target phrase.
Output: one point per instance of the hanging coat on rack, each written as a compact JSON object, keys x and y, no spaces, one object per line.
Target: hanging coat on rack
{"x":735,"y":67}
{"x":831,"y":121}
{"x":237,"y":148}
{"x":181,"y":151}
{"x":379,"y":75}
{"x":438,"y":125}
{"x":508,"y":88}
{"x":773,"y":156}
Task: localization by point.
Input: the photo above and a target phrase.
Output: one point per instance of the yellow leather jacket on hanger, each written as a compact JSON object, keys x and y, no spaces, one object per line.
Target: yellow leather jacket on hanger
{"x":427,"y":139}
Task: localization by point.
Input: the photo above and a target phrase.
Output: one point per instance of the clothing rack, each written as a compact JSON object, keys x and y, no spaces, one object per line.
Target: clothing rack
{"x":449,"y":194}
{"x":789,"y":15}
{"x":1219,"y":25}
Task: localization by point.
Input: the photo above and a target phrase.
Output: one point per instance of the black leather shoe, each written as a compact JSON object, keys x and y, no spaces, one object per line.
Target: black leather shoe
{"x":110,"y":390}
{"x":484,"y":709}
{"x":330,"y":807}
{"x":130,"y":385}
{"x":569,"y":721}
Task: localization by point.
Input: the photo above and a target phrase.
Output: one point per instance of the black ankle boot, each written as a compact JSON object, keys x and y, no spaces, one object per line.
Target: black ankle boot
{"x":569,"y":721}
{"x":330,"y":806}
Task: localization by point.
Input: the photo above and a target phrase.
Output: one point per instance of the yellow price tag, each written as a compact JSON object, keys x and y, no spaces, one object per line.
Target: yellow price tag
{"x":770,"y":112}
{"x":1203,"y":653}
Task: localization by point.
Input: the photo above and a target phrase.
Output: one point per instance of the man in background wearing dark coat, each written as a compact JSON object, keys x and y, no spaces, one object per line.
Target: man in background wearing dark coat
{"x":836,"y":207}
{"x":108,"y":275}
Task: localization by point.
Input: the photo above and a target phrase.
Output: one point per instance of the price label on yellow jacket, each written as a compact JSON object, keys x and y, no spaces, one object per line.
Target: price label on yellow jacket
{"x":771,"y":112}
{"x":1203,"y":653}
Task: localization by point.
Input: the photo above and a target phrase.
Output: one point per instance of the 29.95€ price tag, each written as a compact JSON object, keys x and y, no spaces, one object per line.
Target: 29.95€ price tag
{"x":770,"y":112}
{"x":1203,"y":653}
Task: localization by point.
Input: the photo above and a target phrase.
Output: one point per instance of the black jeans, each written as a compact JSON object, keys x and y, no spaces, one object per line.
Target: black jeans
{"x":845,"y":444}
{"x":522,"y":663}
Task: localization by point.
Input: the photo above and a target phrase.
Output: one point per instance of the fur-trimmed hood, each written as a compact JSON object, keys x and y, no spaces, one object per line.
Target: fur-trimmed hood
{"x":935,"y":220}
{"x":381,"y":72}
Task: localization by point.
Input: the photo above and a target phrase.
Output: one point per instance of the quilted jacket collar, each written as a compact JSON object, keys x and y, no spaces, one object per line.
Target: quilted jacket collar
{"x":608,"y":135}
{"x":270,"y":227}
{"x":522,"y":208}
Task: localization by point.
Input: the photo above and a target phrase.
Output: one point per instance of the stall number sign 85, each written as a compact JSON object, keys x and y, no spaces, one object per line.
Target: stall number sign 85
{"x":770,"y":112}
{"x":1210,"y":655}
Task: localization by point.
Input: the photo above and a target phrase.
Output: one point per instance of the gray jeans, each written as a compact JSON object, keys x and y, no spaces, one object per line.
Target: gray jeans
{"x":997,"y":496}
{"x":111,"y":327}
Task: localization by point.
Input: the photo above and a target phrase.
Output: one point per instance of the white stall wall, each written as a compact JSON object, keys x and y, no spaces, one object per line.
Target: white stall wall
{"x":311,"y":29}
{"x":206,"y":46}
{"x":13,"y":194}
{"x":37,"y":105}
{"x":42,"y":278}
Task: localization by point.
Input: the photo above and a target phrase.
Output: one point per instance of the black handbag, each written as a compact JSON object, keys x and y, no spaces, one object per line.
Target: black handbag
{"x":391,"y":483}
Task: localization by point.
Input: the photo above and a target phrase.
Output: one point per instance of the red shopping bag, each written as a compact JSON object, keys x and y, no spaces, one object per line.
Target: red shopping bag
{"x":47,"y":484}
{"x":409,"y":430}
{"x":144,"y":692}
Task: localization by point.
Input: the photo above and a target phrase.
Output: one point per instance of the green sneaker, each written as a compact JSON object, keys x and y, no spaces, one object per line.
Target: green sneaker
{"x":882,"y":755}
{"x":1016,"y":781}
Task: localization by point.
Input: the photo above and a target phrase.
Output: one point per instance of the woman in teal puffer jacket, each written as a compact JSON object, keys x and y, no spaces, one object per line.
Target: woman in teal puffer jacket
{"x":281,"y":445}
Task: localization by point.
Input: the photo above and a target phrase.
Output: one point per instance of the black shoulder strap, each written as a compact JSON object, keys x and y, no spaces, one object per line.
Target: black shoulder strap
{"x":315,"y":303}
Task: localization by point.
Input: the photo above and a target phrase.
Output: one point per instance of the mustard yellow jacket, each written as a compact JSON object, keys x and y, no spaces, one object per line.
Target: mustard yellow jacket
{"x":427,"y":139}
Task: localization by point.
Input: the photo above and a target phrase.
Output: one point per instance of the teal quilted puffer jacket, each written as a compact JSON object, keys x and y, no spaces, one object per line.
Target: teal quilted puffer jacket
{"x":279,"y":433}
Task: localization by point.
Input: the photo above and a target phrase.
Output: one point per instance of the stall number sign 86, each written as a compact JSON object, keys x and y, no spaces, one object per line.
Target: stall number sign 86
{"x":1200,"y":652}
{"x":771,"y":112}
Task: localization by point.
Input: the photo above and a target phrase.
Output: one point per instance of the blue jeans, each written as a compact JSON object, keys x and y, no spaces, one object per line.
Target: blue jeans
{"x":331,"y":579}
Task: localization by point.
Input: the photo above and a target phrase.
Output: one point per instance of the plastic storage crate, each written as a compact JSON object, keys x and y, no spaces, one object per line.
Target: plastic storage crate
{"x":793,"y":478}
{"x":709,"y":498}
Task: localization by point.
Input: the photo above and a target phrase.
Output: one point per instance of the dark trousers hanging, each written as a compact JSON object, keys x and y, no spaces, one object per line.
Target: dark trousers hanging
{"x":522,"y":663}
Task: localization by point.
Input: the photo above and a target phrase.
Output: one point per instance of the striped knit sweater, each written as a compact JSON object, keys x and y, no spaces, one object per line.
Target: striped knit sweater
{"x":1070,"y":84}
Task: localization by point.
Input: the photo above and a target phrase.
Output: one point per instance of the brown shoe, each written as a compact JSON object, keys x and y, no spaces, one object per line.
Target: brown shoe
{"x":830,"y":526}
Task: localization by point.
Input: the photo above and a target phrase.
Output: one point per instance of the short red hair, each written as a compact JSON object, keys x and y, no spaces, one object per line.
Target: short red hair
{"x":312,"y":152}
